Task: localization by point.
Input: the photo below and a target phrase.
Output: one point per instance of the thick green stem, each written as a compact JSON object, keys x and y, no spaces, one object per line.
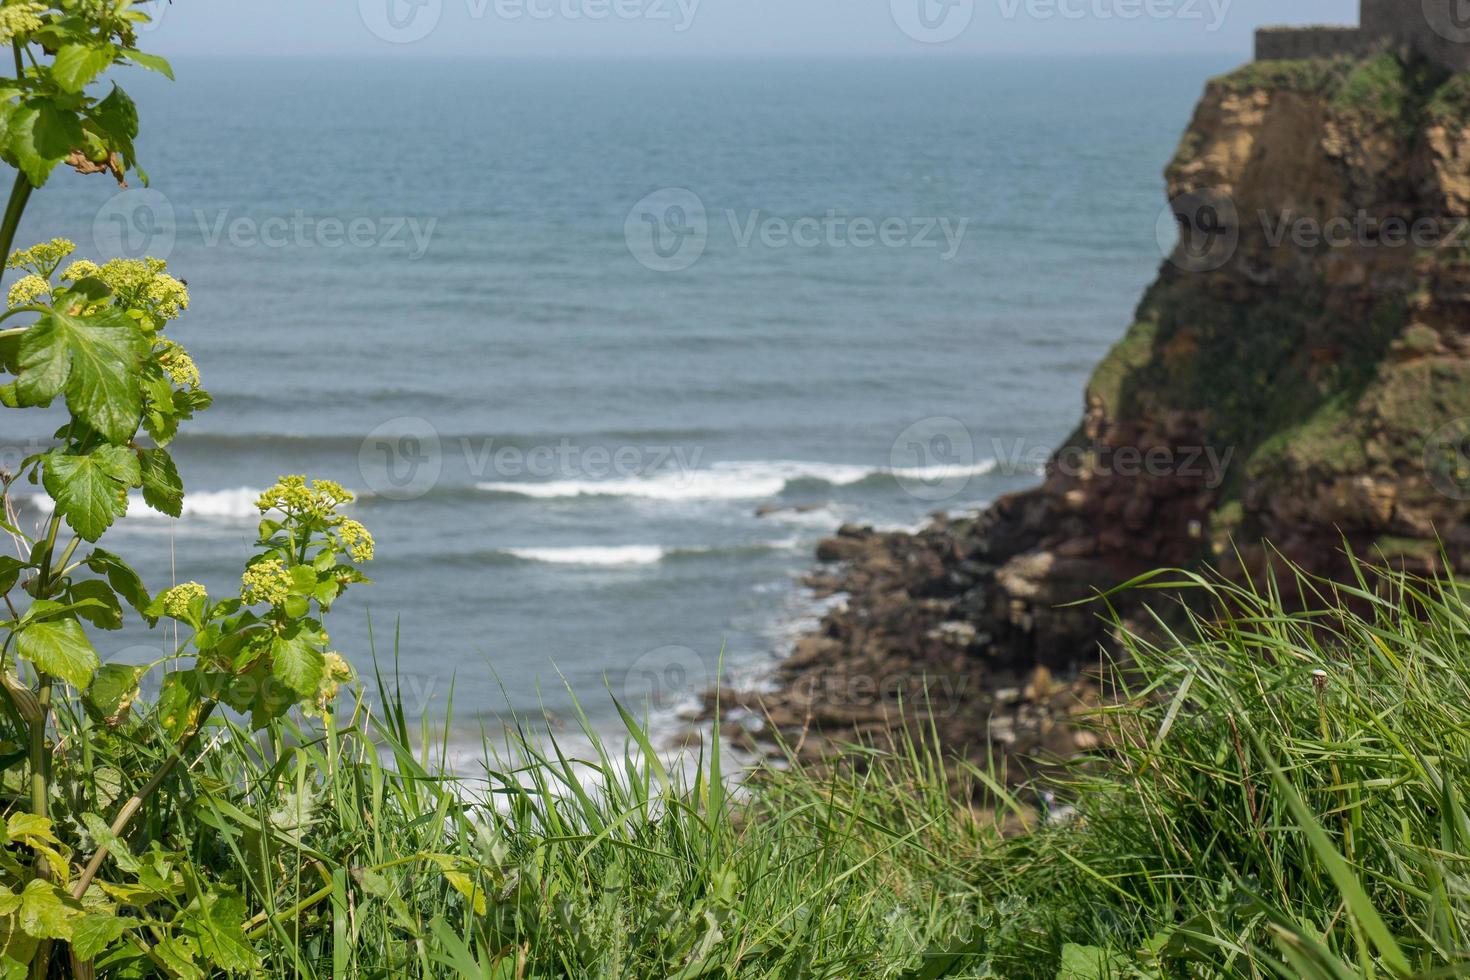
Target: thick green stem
{"x":20,"y":192}
{"x":20,"y":196}
{"x":40,"y":761}
{"x":40,"y":758}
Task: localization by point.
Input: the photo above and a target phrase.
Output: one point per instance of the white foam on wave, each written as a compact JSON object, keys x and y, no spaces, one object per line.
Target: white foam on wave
{"x":732,"y":481}
{"x":633,"y":554}
{"x":823,"y":518}
{"x":236,"y":504}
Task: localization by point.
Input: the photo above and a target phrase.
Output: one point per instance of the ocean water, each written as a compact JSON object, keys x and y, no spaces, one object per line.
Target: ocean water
{"x":572,"y":328}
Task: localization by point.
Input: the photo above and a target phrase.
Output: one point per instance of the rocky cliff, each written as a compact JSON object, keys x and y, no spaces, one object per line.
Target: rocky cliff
{"x":1297,"y":380}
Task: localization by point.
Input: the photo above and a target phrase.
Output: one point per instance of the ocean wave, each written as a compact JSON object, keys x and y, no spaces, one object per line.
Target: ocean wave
{"x":734,"y":481}
{"x":236,"y":504}
{"x":640,"y":554}
{"x":825,"y":517}
{"x":632,"y":554}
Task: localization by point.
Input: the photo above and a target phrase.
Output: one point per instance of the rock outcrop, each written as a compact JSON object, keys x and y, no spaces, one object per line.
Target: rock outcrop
{"x":1296,"y":383}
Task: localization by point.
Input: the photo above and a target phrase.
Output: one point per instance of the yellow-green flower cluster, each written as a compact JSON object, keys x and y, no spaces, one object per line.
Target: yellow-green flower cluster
{"x":266,"y":581}
{"x":336,"y":671}
{"x":356,"y":539}
{"x":178,"y":365}
{"x":41,"y":259}
{"x":145,"y":283}
{"x":81,"y":269}
{"x":27,"y":290}
{"x":176,"y":600}
{"x":295,"y":496}
{"x":20,"y":19}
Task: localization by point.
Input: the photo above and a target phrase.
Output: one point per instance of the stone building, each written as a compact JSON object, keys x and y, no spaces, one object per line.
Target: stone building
{"x":1438,"y":30}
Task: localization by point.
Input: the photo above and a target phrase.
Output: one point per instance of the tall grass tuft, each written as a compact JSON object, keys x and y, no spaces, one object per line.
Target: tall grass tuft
{"x":1284,"y":794}
{"x":1280,"y":793}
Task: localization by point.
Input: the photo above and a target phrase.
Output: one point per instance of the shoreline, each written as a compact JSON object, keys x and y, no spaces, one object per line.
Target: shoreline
{"x":899,"y":648}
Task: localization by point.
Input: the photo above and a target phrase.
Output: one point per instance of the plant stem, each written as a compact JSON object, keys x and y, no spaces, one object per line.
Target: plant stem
{"x":40,"y":760}
{"x":20,"y":193}
{"x":20,"y":196}
{"x":40,"y":763}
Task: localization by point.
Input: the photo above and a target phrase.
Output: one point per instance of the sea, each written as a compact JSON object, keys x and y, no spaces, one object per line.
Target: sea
{"x":605,"y":347}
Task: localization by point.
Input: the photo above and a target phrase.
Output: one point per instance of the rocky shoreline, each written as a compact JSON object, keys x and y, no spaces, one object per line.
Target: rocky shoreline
{"x":1282,"y":397}
{"x":901,"y":648}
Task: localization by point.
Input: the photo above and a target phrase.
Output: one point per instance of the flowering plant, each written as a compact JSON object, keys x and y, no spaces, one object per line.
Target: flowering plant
{"x":94,"y":338}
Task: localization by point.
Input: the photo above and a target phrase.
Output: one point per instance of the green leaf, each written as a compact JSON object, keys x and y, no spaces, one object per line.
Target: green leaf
{"x":30,"y":828}
{"x":467,"y":887}
{"x":91,"y":491}
{"x":179,"y":703}
{"x":102,"y":836}
{"x":94,"y":932}
{"x":97,"y":604}
{"x":44,"y":365}
{"x":163,"y":489}
{"x":31,"y":139}
{"x":59,"y":647}
{"x":112,"y":694}
{"x":150,"y":61}
{"x":10,"y":353}
{"x":217,"y":926}
{"x":178,"y":953}
{"x":118,"y":114}
{"x":90,"y":289}
{"x":295,"y":663}
{"x":1090,"y":963}
{"x":77,"y":65}
{"x":57,"y":131}
{"x":97,"y":358}
{"x":46,"y":912}
{"x":10,"y":569}
{"x":124,"y":581}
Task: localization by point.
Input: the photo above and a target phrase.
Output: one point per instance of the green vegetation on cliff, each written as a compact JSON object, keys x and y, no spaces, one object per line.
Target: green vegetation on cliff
{"x":1383,"y":87}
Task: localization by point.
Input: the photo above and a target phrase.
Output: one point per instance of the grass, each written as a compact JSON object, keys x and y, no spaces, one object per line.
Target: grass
{"x":1281,"y":794}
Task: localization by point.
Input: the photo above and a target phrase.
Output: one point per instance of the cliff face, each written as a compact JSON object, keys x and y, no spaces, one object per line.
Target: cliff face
{"x":1299,"y":374}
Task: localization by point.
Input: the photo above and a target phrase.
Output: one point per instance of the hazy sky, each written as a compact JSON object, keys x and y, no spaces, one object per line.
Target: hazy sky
{"x":673,"y":27}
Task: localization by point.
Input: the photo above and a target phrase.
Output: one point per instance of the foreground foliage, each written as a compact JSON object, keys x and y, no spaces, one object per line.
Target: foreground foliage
{"x":1282,"y":795}
{"x":1285,"y":796}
